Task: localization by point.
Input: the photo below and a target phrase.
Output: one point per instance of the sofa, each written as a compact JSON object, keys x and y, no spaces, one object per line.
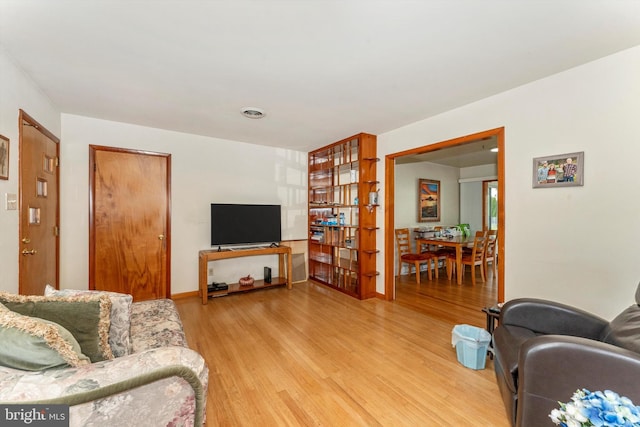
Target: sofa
{"x":545,"y":351}
{"x":140,"y":372}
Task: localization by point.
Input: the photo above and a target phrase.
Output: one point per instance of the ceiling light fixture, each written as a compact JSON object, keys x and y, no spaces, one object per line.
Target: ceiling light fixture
{"x":494,"y":150}
{"x":253,"y":112}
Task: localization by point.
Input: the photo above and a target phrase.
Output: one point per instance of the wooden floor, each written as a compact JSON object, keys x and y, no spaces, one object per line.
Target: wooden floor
{"x":446,"y":300}
{"x":312,"y":356}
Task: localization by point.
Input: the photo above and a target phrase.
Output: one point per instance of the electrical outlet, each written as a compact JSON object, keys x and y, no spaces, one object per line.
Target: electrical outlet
{"x":210,"y":271}
{"x":11,"y":202}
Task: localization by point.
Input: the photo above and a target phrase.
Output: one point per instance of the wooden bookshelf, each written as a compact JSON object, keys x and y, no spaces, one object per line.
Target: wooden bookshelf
{"x":342,"y":223}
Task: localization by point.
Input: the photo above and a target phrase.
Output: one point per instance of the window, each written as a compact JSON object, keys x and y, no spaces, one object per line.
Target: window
{"x":490,"y":209}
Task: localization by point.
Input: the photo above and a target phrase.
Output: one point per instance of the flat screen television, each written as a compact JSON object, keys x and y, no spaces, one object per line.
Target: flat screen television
{"x":234,"y":224}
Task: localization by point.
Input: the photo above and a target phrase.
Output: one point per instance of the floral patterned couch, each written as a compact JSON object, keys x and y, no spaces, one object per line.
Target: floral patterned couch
{"x":160,"y":382}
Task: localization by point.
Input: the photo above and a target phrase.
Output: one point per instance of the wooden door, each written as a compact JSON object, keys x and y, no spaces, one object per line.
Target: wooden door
{"x":38,"y":263}
{"x":129,"y":249}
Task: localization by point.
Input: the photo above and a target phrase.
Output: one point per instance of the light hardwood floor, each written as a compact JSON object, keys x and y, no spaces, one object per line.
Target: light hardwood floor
{"x":313,"y":356}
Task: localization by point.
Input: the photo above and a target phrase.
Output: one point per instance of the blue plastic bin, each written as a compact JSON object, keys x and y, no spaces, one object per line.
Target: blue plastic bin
{"x":471,"y":345}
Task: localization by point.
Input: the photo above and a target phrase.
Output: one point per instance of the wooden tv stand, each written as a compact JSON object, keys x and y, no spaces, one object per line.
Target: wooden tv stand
{"x":213,"y":255}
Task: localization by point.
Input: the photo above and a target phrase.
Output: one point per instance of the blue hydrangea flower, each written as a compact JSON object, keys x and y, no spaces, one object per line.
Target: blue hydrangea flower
{"x":597,"y":409}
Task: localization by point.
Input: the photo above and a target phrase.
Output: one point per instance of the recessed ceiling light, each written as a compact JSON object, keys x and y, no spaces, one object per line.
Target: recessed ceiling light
{"x":494,"y":150}
{"x":253,"y":112}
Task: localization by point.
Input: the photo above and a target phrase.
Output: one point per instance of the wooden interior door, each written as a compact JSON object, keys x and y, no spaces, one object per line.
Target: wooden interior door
{"x":38,"y":261}
{"x":129,"y":248}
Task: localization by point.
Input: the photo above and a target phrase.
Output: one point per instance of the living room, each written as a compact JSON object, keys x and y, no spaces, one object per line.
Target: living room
{"x":554,"y":239}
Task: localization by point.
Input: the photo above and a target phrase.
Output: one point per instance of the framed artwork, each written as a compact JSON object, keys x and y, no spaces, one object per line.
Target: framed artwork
{"x":428,"y":200}
{"x":561,"y":170}
{"x":4,"y":157}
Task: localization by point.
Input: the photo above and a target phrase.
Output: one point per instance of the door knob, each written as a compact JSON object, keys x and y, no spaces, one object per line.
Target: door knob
{"x":26,"y":240}
{"x":27,"y":252}
{"x":161,"y":237}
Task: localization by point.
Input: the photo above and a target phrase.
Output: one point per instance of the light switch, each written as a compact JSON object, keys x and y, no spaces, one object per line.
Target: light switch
{"x":11,"y":202}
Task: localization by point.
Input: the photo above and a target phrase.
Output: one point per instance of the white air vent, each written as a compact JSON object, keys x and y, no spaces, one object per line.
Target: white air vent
{"x":252,"y":112}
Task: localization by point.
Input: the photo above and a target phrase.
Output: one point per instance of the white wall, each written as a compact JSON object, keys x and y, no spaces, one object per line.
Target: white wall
{"x":406,"y":179}
{"x":471,"y":202}
{"x":479,"y":173}
{"x":579,"y":245}
{"x":471,"y":205}
{"x":204,"y":170}
{"x":17,"y":91}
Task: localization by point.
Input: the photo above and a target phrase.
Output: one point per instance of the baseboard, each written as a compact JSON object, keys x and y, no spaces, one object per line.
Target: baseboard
{"x":184,"y":295}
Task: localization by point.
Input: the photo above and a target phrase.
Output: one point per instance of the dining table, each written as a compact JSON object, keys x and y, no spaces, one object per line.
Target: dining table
{"x":457,"y":242}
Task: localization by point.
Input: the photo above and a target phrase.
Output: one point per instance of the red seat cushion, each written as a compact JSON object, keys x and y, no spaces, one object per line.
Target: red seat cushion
{"x":416,"y":257}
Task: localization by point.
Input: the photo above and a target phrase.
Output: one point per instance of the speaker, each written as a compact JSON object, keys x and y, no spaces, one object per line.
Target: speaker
{"x":267,"y":275}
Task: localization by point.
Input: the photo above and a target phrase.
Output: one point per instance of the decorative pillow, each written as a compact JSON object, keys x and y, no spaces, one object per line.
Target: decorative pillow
{"x":85,"y":316}
{"x":120,"y":329}
{"x":34,"y":344}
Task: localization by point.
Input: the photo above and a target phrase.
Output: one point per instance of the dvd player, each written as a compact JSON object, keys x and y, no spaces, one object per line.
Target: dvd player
{"x":217,"y":286}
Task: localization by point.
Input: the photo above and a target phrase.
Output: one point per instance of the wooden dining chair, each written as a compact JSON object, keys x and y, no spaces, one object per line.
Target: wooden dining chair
{"x":438,"y":253}
{"x":491,"y":254}
{"x":468,"y":249}
{"x":472,"y":259}
{"x":406,"y":255}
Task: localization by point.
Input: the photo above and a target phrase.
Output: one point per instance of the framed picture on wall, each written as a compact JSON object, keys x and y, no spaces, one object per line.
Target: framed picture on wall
{"x":561,"y":170}
{"x":428,"y":200}
{"x":4,"y":157}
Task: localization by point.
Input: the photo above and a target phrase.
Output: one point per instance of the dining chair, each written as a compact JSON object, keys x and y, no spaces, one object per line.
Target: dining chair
{"x":472,"y":259}
{"x":406,"y":255}
{"x":468,"y":249}
{"x":491,"y":254}
{"x":439,"y":253}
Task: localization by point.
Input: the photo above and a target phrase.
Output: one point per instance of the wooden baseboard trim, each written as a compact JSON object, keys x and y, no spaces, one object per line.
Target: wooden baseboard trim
{"x":184,"y":295}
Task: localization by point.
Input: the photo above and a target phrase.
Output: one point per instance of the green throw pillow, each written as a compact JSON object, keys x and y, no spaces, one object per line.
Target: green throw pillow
{"x":120,"y":327}
{"x":86,"y":317}
{"x":34,"y":344}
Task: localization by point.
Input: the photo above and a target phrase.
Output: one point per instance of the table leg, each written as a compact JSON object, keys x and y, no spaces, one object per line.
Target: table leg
{"x":289,"y":270}
{"x":285,"y":260}
{"x":459,"y":263}
{"x":202,"y":278}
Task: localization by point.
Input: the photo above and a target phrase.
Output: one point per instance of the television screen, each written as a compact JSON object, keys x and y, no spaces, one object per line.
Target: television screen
{"x":233,"y":224}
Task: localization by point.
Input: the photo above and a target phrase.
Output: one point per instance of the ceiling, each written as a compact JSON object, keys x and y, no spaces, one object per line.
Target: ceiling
{"x":321,"y":69}
{"x":474,"y":153}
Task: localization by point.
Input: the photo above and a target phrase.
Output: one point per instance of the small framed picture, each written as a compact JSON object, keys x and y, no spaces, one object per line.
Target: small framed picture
{"x":4,"y":157}
{"x":428,"y":200}
{"x":561,"y":170}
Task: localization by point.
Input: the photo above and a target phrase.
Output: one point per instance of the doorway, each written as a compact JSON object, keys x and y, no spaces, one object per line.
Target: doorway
{"x":490,"y":205}
{"x":390,"y":173}
{"x":129,"y":222}
{"x":39,"y":187}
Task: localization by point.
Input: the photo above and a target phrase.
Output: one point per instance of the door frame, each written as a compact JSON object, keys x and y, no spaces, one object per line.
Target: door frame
{"x":486,"y":222}
{"x":92,"y":151}
{"x":389,"y":214}
{"x":22,"y":118}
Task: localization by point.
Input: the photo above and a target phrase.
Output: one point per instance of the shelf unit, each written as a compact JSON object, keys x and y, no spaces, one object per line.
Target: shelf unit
{"x":342,"y":225}
{"x":205,"y":256}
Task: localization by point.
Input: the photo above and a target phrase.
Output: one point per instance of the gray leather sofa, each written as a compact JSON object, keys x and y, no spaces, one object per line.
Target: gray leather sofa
{"x":545,"y":351}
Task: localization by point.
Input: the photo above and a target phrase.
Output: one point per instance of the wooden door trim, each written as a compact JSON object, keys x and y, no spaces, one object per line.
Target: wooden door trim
{"x":389,"y":219}
{"x":485,"y":195}
{"x":23,"y":118}
{"x":33,"y":122}
{"x":92,"y":153}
